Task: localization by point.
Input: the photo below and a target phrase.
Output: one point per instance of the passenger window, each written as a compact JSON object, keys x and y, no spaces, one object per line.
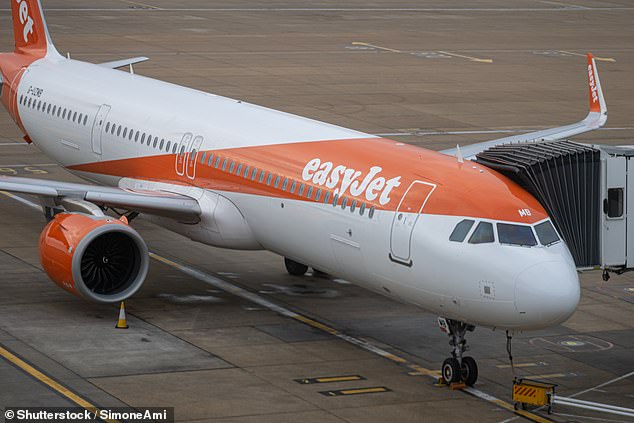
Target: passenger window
{"x":546,"y":233}
{"x":39,"y":104}
{"x":277,"y":181}
{"x":310,"y":192}
{"x":125,"y":132}
{"x":155,"y":142}
{"x":107,"y":127}
{"x":362,"y":209}
{"x":75,"y":117}
{"x":353,"y":206}
{"x":217,"y":163}
{"x":231,"y":166}
{"x":262,"y":173}
{"x":301,"y":189}
{"x":130,"y":135}
{"x":239,"y":169}
{"x":516,"y":235}
{"x":162,"y":143}
{"x":371,"y":212}
{"x":318,"y":194}
{"x":268,"y":179}
{"x":285,"y":184}
{"x":202,"y":158}
{"x":174,"y":148}
{"x":143,"y":138}
{"x":615,"y":202}
{"x":327,"y":197}
{"x":54,"y":110}
{"x":344,"y":202}
{"x":136,"y":136}
{"x":483,"y":234}
{"x":335,"y":199}
{"x":461,"y":230}
{"x":246,"y":172}
{"x":48,"y":109}
{"x":119,"y":131}
{"x":210,"y":159}
{"x":167,"y":147}
{"x":86,"y":120}
{"x":254,"y":173}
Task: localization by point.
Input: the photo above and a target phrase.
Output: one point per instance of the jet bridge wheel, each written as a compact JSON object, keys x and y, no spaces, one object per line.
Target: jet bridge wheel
{"x":294,"y":268}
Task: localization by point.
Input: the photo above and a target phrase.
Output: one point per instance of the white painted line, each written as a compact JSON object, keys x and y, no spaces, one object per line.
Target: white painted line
{"x":489,"y":131}
{"x":13,"y":143}
{"x":30,"y":165}
{"x":609,"y":382}
{"x":22,"y":200}
{"x":338,"y":9}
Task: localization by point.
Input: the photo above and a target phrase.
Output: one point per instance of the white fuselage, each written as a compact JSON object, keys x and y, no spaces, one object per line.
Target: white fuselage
{"x":494,"y":285}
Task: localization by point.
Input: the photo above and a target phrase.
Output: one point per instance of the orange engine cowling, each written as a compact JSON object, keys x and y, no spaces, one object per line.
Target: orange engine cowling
{"x":98,"y":258}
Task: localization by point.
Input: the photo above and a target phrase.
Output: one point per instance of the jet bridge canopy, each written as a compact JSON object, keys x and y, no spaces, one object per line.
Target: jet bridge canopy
{"x":584,"y":189}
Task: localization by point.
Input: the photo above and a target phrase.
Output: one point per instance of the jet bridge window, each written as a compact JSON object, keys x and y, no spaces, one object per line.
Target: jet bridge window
{"x":483,"y":234}
{"x":516,"y":235}
{"x":546,"y":233}
{"x":461,"y":230}
{"x":614,"y":203}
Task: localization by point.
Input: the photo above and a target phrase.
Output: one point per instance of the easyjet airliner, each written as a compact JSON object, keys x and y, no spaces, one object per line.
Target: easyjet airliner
{"x":434,"y":229}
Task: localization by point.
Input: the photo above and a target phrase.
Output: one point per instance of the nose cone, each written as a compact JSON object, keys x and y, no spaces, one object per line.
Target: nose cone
{"x":547,"y":293}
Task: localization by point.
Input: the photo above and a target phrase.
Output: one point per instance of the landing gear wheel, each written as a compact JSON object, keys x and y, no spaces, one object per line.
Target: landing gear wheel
{"x":294,"y":268}
{"x":450,"y":370}
{"x":469,"y":371}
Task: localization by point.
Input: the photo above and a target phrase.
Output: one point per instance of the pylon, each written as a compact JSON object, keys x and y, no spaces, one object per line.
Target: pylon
{"x":122,"y":323}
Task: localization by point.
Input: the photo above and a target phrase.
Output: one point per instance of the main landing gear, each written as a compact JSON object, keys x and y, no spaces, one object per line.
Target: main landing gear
{"x":457,"y":369}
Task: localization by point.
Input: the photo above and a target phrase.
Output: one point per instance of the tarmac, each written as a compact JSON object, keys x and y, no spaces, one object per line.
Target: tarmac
{"x":229,"y":336}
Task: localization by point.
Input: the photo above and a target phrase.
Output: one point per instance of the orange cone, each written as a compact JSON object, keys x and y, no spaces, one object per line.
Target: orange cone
{"x":122,"y":323}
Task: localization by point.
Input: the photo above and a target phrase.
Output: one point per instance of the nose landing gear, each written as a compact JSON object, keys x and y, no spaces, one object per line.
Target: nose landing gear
{"x":457,"y":368}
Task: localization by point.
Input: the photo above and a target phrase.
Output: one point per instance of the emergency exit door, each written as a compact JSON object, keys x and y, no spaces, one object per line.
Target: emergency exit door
{"x":97,"y":128}
{"x":405,"y":218}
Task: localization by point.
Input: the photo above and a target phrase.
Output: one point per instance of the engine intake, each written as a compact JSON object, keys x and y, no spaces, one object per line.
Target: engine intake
{"x":99,"y":258}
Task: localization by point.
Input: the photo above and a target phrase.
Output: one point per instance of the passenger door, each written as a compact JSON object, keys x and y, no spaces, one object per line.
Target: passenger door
{"x":182,"y":154}
{"x":97,"y":129}
{"x":192,"y":156}
{"x":405,"y":218}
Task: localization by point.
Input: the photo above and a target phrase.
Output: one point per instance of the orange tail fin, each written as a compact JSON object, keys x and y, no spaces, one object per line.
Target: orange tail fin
{"x":29,"y":28}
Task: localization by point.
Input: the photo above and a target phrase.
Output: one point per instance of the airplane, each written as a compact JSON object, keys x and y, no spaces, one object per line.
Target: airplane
{"x":433,"y":229}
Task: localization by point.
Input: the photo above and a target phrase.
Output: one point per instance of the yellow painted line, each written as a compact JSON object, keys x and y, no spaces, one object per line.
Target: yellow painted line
{"x":548,"y":376}
{"x":57,"y":387}
{"x":508,"y":366}
{"x":336,"y":379}
{"x":526,"y":414}
{"x":362,"y":391}
{"x":473,"y":59}
{"x":316,"y":324}
{"x":600,"y":59}
{"x":358,"y":43}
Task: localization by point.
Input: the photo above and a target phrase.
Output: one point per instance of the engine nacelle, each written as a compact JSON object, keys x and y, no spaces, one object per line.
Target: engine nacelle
{"x":99,"y":258}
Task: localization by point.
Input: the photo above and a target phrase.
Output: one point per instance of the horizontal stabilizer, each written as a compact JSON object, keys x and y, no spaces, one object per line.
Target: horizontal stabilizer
{"x":124,"y":62}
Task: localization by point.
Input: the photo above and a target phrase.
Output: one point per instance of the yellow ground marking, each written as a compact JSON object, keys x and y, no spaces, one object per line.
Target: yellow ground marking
{"x":336,"y":379}
{"x":600,"y":59}
{"x":358,"y":43}
{"x":547,"y":376}
{"x":526,"y":414}
{"x":57,"y":387}
{"x":361,"y":391}
{"x":473,"y":59}
{"x":507,"y":366}
{"x":316,"y":324}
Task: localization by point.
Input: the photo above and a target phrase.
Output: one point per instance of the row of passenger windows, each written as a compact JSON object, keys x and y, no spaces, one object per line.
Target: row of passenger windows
{"x":507,"y":233}
{"x":54,"y":110}
{"x":285,"y":184}
{"x":130,"y":134}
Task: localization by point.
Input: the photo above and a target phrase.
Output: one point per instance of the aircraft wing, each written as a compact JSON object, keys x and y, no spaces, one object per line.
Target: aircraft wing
{"x":159,"y":203}
{"x":595,"y":119}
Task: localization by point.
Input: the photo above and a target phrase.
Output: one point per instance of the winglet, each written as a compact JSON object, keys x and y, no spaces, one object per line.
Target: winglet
{"x":597,"y":102}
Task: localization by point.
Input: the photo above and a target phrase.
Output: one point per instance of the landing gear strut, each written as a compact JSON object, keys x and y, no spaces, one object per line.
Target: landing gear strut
{"x":457,"y":368}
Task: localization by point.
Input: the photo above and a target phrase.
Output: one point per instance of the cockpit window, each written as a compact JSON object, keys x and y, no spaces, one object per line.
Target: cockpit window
{"x":483,"y":233}
{"x":516,"y":234}
{"x":546,"y":233}
{"x":461,"y":230}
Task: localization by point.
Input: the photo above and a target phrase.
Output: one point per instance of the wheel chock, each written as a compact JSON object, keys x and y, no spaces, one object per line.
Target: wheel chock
{"x":441,"y":382}
{"x":456,"y":386}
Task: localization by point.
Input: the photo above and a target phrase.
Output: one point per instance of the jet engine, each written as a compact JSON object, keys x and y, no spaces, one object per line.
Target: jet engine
{"x":99,"y":258}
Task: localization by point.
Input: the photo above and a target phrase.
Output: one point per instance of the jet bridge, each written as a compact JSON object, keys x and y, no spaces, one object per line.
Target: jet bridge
{"x":588,"y":190}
